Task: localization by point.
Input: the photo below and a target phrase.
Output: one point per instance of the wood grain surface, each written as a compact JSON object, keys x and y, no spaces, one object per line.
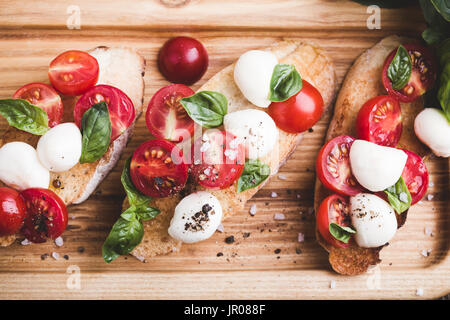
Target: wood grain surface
{"x":31,"y":35}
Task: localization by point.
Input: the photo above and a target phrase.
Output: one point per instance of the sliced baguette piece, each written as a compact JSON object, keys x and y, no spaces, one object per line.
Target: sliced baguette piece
{"x":119,"y":67}
{"x":362,"y":82}
{"x":314,"y":66}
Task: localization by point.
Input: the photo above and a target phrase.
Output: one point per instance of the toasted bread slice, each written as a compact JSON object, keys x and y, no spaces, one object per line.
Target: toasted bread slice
{"x":363,"y":81}
{"x":315,"y":67}
{"x":119,"y":67}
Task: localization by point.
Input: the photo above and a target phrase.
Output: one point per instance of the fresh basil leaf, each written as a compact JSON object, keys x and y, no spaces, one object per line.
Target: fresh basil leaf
{"x":444,"y":90}
{"x":443,"y":7}
{"x":254,"y":173}
{"x":399,"y":70}
{"x":399,"y":196}
{"x":125,"y":235}
{"x":207,"y":108}
{"x":24,"y":116}
{"x":341,"y":233}
{"x":96,"y":131}
{"x":146,"y":212}
{"x":135,"y":197}
{"x":285,"y":83}
{"x":433,"y":35}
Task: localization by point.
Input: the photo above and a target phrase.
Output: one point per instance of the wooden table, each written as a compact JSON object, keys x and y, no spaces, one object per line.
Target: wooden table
{"x":33,"y":32}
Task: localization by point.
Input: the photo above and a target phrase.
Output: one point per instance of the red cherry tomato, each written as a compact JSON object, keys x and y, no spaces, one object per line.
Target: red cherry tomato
{"x":44,"y":97}
{"x":218,"y":159}
{"x":299,"y":112}
{"x":415,"y":175}
{"x":334,"y":209}
{"x":380,"y":121}
{"x":166,"y":118}
{"x":158,"y":169}
{"x":183,"y":60}
{"x":12,"y":211}
{"x":46,"y":216}
{"x":120,"y":106}
{"x":333,"y":166}
{"x":423,"y":73}
{"x":73,"y":72}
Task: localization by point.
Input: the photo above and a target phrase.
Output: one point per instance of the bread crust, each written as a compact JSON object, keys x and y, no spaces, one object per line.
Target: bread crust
{"x":314,"y":66}
{"x":362,"y":82}
{"x":78,"y":183}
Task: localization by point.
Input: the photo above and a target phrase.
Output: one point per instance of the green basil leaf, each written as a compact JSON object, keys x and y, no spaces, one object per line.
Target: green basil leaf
{"x":443,"y":7}
{"x":146,"y":212}
{"x":399,"y":70}
{"x":399,"y":196}
{"x":96,"y":131}
{"x":254,"y":173}
{"x":207,"y":108}
{"x":24,"y":116}
{"x":341,"y":233}
{"x":135,"y":197}
{"x":125,"y":235}
{"x":285,"y":83}
{"x":433,"y":35}
{"x":444,"y":90}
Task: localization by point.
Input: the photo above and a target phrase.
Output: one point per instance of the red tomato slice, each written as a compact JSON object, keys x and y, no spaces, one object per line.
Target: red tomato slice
{"x":166,"y":118}
{"x":415,"y":175}
{"x":44,"y":97}
{"x":158,"y":169}
{"x":380,"y":121}
{"x":333,"y":166}
{"x":218,"y":159}
{"x":334,"y":209}
{"x":299,"y":112}
{"x":120,"y":106}
{"x":423,"y":73}
{"x":12,"y":211}
{"x":73,"y":72}
{"x":46,"y":215}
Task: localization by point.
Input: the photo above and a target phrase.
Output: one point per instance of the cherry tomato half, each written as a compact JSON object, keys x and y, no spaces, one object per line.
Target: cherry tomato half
{"x":120,"y":106}
{"x":333,"y":166}
{"x":158,"y":169}
{"x":12,"y":211}
{"x":333,"y":209}
{"x":218,"y":159}
{"x":380,"y":121}
{"x":46,"y":216}
{"x":73,"y":72}
{"x":44,"y":97}
{"x":183,"y":60}
{"x":299,"y":112}
{"x":423,"y":73}
{"x":166,"y":118}
{"x":415,"y":175}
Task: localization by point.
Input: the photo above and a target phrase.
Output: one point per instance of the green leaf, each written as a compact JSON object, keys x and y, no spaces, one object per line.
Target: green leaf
{"x":433,"y":35}
{"x":207,"y":108}
{"x":399,"y":70}
{"x":24,"y":116}
{"x":96,"y":131}
{"x":254,"y":173}
{"x":135,"y":197}
{"x":285,"y":83}
{"x":125,"y":235}
{"x":399,"y":196}
{"x":444,"y":90}
{"x":443,"y":7}
{"x":341,"y":233}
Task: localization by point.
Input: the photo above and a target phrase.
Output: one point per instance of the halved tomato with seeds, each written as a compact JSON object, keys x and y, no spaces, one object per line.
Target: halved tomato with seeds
{"x":333,"y":166}
{"x":415,"y":175}
{"x":157,"y":168}
{"x":380,"y":121}
{"x":46,"y":216}
{"x":423,"y":73}
{"x":218,"y":159}
{"x":44,"y":97}
{"x":334,"y":209}
{"x":166,"y":118}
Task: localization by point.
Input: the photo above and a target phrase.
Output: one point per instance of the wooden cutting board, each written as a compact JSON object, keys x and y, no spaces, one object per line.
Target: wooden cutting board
{"x":33,"y":32}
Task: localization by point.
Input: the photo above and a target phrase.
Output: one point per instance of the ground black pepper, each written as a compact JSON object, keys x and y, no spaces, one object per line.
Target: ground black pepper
{"x":229,"y":239}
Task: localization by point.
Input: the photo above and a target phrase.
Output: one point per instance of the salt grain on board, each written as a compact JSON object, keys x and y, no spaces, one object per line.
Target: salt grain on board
{"x":274,"y":195}
{"x":430,"y":197}
{"x":301,"y":237}
{"x":279,"y":216}
{"x":26,"y":242}
{"x":220,"y":228}
{"x":332,"y":284}
{"x":59,"y":241}
{"x":419,"y":292}
{"x":252,"y":209}
{"x":55,"y":255}
{"x":282,"y":177}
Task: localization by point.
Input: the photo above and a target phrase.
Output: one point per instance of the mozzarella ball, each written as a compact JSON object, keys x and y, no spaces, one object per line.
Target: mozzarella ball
{"x":433,"y":129}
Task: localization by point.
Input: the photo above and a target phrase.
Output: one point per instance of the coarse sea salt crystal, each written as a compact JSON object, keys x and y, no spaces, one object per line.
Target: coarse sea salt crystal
{"x":26,"y":242}
{"x":55,"y":255}
{"x":424,"y":253}
{"x":279,"y":216}
{"x":274,"y":194}
{"x":301,"y":237}
{"x":430,"y":197}
{"x":332,"y":284}
{"x":282,"y":177}
{"x":428,"y":231}
{"x":431,"y":184}
{"x":419,"y":292}
{"x":252,"y":209}
{"x":220,"y":228}
{"x":59,"y":241}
